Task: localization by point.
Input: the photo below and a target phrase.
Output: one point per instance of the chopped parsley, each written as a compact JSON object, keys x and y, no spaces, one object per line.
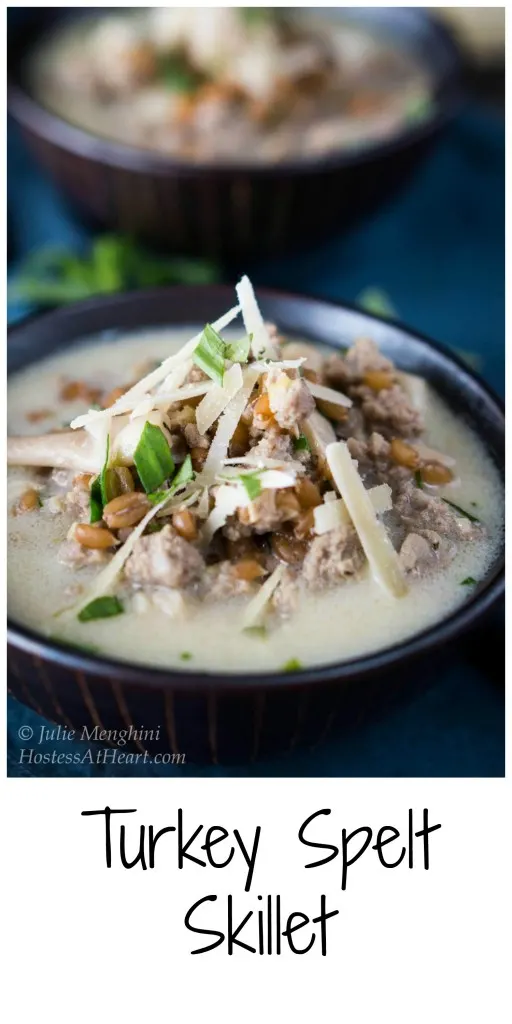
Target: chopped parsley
{"x":101,"y":608}
{"x":293,"y":665}
{"x":469,"y":582}
{"x":185,"y":656}
{"x":259,"y":632}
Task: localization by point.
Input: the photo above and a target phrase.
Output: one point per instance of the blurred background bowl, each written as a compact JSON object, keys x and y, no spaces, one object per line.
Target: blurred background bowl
{"x":234,"y":212}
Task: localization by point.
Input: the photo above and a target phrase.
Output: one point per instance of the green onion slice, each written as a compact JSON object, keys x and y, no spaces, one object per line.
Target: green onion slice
{"x":152,"y":457}
{"x":260,"y":632}
{"x":469,"y":582}
{"x":238,"y":351}
{"x":210,"y":354}
{"x":183,"y":476}
{"x":419,"y":481}
{"x":101,"y":608}
{"x":97,"y":495}
{"x":301,"y":443}
{"x":252,"y":484}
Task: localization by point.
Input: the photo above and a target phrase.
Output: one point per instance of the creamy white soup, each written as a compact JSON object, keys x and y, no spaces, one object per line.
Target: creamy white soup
{"x":228,"y":83}
{"x":285,"y":519}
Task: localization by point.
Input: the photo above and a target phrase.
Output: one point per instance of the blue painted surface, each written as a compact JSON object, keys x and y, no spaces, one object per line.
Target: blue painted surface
{"x":438,"y":251}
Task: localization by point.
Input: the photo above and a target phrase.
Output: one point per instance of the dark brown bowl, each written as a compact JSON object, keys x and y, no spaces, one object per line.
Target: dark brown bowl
{"x":239,"y":718}
{"x":234,"y":212}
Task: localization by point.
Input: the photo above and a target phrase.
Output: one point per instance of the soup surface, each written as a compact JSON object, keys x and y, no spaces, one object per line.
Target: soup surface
{"x":229,"y":83}
{"x":338,"y":615}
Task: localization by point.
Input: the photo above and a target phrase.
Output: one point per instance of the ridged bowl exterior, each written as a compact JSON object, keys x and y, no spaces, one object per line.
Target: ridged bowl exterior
{"x":233,"y":212}
{"x":218,"y":719}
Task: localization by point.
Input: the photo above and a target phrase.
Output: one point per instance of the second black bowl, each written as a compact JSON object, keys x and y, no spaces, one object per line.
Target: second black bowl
{"x":240,"y":211}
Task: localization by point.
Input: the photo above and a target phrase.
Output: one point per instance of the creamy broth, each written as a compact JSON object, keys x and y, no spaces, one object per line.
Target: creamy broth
{"x":333,"y":625}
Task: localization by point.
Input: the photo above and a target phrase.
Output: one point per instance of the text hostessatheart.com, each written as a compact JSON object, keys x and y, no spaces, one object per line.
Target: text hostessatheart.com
{"x":258,"y":923}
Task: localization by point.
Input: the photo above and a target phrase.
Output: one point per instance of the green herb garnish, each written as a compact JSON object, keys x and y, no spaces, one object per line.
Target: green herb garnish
{"x":98,"y":491}
{"x":260,"y":632}
{"x":252,"y":484}
{"x":95,"y":502}
{"x":461,"y":511}
{"x":210,"y":354}
{"x":238,"y":351}
{"x":293,"y":665}
{"x":53,"y":276}
{"x":301,"y":443}
{"x":417,"y":477}
{"x":184,"y":474}
{"x":468,"y":582}
{"x":101,"y":608}
{"x":178,"y":76}
{"x":418,"y":108}
{"x":152,"y":457}
{"x":185,"y":656}
{"x":376,"y":301}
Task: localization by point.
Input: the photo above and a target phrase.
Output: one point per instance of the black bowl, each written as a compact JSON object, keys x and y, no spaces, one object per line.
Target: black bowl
{"x":210,"y":717}
{"x":234,"y":212}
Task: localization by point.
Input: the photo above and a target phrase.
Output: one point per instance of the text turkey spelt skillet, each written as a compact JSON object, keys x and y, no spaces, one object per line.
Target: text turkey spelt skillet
{"x":249,"y":537}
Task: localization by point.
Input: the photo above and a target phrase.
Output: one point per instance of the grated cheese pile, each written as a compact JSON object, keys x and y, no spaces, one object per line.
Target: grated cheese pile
{"x":224,"y":401}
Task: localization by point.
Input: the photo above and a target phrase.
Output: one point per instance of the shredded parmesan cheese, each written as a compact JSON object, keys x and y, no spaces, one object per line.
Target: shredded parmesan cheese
{"x":261,"y":345}
{"x":334,"y":512}
{"x":128,"y":401}
{"x":319,"y":432}
{"x":330,"y":515}
{"x":217,"y":398}
{"x":257,"y":606}
{"x":375,"y":542}
{"x":328,"y":394}
{"x":227,"y":499}
{"x":228,"y":423}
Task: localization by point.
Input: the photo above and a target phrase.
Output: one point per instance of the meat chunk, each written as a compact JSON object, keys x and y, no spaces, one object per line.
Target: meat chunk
{"x":72,"y":553}
{"x":333,"y":558}
{"x":221,"y":583}
{"x":196,"y":375}
{"x":274,"y":445}
{"x":290,"y":400}
{"x":374,"y":462}
{"x":421,"y":553}
{"x":286,"y":596}
{"x":364,"y":357}
{"x":77,"y":502}
{"x":269,"y":510}
{"x":164,"y":559}
{"x":389,"y":411}
{"x":422,"y":512}
{"x":194,"y":438}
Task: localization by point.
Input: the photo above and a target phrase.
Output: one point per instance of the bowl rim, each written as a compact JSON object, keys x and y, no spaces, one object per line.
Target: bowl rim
{"x":176,"y":679}
{"x":51,"y":127}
